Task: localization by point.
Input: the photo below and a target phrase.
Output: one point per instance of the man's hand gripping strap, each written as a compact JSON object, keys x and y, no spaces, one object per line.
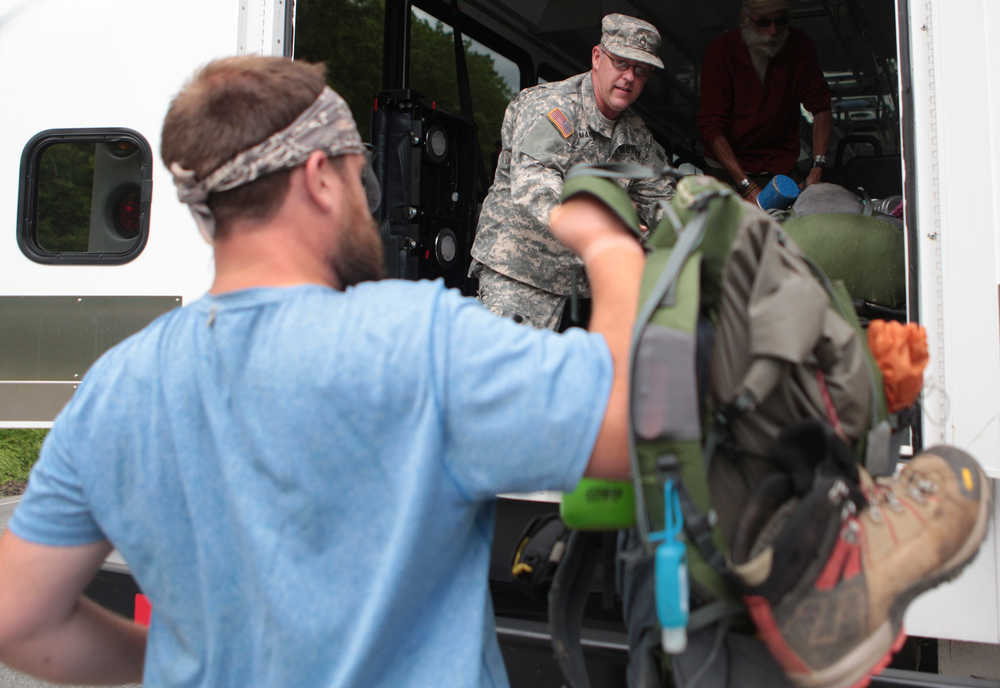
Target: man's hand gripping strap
{"x":599,"y":504}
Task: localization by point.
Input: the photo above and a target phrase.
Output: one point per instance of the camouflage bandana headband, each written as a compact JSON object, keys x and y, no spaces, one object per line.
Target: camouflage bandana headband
{"x":326,"y":125}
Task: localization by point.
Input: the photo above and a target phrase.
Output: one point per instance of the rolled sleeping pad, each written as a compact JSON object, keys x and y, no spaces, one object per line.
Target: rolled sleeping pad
{"x":824,"y":197}
{"x":866,"y":253}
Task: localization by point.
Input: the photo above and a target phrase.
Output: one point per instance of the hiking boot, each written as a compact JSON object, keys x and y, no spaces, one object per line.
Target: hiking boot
{"x":829,"y":573}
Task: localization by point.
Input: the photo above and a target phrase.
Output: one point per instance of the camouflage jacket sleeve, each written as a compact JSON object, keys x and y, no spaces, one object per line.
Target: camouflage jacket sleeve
{"x":538,"y":164}
{"x":648,"y":193}
{"x":632,"y":142}
{"x":513,"y":236}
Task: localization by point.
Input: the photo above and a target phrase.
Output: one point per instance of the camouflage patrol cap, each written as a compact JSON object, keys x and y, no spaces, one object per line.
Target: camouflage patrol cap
{"x":631,"y":38}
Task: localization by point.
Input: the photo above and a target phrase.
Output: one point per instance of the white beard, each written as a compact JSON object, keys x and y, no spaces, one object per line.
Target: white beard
{"x":762,"y":48}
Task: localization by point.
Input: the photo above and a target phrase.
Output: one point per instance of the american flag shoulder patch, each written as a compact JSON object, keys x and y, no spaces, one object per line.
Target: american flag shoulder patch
{"x":562,"y":122}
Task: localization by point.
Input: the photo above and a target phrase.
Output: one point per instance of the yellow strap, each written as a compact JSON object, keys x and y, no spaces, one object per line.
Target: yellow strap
{"x":519,"y":566}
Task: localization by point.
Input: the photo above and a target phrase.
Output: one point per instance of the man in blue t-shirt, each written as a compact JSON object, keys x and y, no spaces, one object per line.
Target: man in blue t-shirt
{"x":307,"y":496}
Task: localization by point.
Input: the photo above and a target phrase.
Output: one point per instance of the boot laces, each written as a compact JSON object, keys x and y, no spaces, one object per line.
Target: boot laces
{"x":851,"y":531}
{"x":840,"y":494}
{"x":880,"y":494}
{"x":918,"y":487}
{"x":874,"y":512}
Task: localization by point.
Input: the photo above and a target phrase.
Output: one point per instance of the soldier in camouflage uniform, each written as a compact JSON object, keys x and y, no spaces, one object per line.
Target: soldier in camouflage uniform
{"x":524,"y":272}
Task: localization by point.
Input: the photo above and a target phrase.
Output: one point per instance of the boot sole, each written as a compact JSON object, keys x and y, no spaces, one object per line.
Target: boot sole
{"x":875,"y":653}
{"x":856,"y":668}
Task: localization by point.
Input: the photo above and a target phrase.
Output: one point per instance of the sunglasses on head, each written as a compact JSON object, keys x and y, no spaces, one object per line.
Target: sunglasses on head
{"x":779,"y":22}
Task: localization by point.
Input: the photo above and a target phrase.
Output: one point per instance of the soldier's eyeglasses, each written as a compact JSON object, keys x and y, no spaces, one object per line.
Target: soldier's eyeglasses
{"x":640,"y":70}
{"x":779,"y":22}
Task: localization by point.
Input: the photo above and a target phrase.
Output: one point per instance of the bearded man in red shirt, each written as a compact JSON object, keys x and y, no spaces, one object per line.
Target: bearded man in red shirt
{"x":752,"y":81}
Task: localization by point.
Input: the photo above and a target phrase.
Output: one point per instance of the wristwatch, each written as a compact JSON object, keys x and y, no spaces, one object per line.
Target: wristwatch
{"x":820,"y":161}
{"x":743,"y":185}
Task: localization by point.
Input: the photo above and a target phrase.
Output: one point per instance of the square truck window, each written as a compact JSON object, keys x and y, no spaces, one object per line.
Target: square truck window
{"x":84,"y":196}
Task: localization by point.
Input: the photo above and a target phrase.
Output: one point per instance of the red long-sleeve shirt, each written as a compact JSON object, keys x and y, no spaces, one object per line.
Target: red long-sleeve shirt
{"x":760,"y":121}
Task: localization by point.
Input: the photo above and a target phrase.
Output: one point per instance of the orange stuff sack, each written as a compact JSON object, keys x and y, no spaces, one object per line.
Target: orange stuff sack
{"x":901,"y":354}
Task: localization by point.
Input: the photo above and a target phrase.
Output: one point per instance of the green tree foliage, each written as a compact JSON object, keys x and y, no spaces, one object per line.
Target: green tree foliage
{"x":347,"y":36}
{"x":433,"y":73}
{"x":65,"y":183}
{"x":18,"y":453}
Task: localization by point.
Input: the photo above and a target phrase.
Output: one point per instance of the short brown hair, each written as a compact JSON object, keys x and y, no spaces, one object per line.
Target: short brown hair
{"x":230,"y":105}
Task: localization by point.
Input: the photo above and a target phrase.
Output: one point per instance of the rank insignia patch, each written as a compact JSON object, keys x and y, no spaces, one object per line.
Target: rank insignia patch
{"x":562,"y":123}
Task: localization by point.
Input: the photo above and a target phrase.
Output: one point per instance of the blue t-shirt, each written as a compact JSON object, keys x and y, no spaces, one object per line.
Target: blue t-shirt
{"x":301,"y":480}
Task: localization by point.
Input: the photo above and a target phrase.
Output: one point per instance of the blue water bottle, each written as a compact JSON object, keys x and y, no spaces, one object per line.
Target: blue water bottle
{"x":779,"y":193}
{"x":671,"y":574}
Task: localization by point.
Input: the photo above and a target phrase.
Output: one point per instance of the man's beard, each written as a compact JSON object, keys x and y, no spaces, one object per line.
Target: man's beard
{"x":765,"y":46}
{"x":762,"y":48}
{"x":359,"y":255}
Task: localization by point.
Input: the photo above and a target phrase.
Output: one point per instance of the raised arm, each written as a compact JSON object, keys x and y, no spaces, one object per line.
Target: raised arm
{"x":815,"y":98}
{"x":822,"y":127}
{"x":614,"y":262}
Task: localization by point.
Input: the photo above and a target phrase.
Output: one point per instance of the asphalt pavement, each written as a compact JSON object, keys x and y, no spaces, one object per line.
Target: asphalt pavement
{"x":11,"y":679}
{"x":7,"y":505}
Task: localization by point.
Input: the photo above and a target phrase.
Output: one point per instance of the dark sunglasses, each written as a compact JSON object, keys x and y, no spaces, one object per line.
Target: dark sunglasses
{"x":779,"y":22}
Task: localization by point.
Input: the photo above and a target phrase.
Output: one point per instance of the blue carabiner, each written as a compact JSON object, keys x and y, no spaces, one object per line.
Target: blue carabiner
{"x":671,"y":574}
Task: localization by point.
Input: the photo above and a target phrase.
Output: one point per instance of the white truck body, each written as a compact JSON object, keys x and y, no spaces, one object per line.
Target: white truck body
{"x":117,"y":63}
{"x":956,"y":129}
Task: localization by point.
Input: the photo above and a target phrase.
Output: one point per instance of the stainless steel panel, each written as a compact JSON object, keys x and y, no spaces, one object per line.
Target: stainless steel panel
{"x":59,"y":337}
{"x":33,"y":401}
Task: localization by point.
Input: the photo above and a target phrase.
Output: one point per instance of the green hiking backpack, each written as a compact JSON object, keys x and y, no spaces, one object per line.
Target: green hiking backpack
{"x":738,"y":336}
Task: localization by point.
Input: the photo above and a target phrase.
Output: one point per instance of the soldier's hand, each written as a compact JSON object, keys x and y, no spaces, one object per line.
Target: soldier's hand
{"x":587,"y":227}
